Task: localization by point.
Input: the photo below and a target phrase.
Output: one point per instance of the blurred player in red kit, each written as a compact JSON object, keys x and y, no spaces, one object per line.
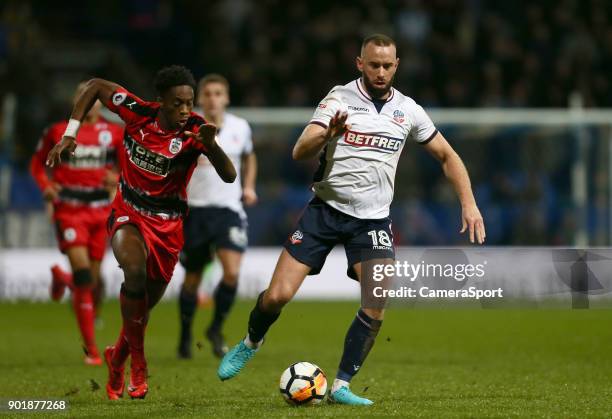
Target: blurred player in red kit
{"x":161,"y":146}
{"x":79,"y":191}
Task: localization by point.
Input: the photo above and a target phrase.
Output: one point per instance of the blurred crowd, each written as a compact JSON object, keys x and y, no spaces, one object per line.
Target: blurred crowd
{"x":278,"y":53}
{"x":454,"y":53}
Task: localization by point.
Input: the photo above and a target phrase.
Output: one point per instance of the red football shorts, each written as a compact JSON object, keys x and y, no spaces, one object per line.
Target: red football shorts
{"x":82,"y":226}
{"x":163,"y":238}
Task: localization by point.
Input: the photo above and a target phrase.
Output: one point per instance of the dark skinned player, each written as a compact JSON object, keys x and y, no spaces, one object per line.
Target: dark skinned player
{"x":161,"y":145}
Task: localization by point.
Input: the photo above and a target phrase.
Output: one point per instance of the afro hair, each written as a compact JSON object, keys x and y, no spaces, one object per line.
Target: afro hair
{"x":174,"y":75}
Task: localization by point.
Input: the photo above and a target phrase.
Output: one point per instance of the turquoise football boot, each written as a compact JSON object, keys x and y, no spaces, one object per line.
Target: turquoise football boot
{"x":234,"y":361}
{"x":344,"y":395}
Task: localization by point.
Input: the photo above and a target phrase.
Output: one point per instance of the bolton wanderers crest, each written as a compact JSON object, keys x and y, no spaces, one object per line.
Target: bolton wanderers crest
{"x":398,"y":116}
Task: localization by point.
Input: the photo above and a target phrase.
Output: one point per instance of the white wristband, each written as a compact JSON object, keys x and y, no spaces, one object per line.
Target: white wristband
{"x":72,"y":128}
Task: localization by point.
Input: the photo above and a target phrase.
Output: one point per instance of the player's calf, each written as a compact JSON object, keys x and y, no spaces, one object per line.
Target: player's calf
{"x":188,"y":302}
{"x":358,"y":342}
{"x":82,"y":301}
{"x":261,"y":318}
{"x":120,"y":351}
{"x":135,"y":314}
{"x":224,"y":297}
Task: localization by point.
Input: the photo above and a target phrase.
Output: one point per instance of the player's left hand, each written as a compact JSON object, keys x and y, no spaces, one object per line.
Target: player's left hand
{"x":55,"y":154}
{"x":205,"y":135}
{"x":249,"y":197}
{"x":472,"y":221}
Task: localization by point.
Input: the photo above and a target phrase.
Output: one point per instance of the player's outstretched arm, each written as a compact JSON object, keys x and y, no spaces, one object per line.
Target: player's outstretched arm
{"x":217,"y":157}
{"x":315,"y":137}
{"x":455,"y":171}
{"x":49,"y":189}
{"x":94,"y":89}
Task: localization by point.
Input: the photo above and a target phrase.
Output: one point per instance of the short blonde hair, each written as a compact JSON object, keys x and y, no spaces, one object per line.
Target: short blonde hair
{"x":213,"y":78}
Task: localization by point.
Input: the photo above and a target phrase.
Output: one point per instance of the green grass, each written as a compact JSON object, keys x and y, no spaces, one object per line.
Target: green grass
{"x":426,"y":363}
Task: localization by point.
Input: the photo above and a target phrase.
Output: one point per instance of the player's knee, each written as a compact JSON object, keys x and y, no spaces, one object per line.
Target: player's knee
{"x":375,"y":313}
{"x":230,"y":279}
{"x":275,"y":299}
{"x":135,"y":274}
{"x":82,"y":278}
{"x":191,"y":284}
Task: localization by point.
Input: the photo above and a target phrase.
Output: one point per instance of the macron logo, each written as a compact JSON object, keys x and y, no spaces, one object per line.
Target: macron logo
{"x":359,"y":139}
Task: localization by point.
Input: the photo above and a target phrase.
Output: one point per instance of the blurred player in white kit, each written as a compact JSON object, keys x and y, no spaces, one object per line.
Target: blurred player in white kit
{"x":216,"y":223}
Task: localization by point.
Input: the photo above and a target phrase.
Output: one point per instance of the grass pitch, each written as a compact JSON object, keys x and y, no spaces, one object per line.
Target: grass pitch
{"x":426,"y":363}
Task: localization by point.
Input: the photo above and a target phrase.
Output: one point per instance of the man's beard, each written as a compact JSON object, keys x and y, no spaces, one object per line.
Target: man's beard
{"x":377,"y":92}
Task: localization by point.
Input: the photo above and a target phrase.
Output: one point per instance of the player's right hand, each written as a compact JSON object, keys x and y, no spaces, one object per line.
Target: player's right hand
{"x":206,"y":135}
{"x":249,"y":197}
{"x":472,"y":221}
{"x":337,"y":125}
{"x":51,"y":192}
{"x":55,"y":155}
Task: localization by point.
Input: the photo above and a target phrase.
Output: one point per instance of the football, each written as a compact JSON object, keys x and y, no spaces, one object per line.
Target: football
{"x":303,"y":383}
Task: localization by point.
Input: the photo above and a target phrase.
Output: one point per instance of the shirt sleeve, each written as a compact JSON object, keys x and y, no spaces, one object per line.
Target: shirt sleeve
{"x":327,"y":108}
{"x":37,"y":164}
{"x":423,"y":129}
{"x":129,"y":107}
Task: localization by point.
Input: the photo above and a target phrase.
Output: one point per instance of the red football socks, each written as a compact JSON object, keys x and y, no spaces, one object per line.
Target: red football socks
{"x":121,"y":351}
{"x":82,"y":302}
{"x":135,"y":316}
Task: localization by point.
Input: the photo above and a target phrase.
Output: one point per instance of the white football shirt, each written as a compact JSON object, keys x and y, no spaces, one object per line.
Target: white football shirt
{"x":357,"y":170}
{"x":206,"y":189}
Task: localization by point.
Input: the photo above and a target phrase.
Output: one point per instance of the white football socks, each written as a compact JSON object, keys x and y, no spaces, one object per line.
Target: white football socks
{"x":253,"y":345}
{"x":338,"y":383}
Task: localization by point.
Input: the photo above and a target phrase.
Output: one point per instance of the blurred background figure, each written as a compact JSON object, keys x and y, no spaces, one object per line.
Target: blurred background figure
{"x":216,"y":224}
{"x":80,"y":190}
